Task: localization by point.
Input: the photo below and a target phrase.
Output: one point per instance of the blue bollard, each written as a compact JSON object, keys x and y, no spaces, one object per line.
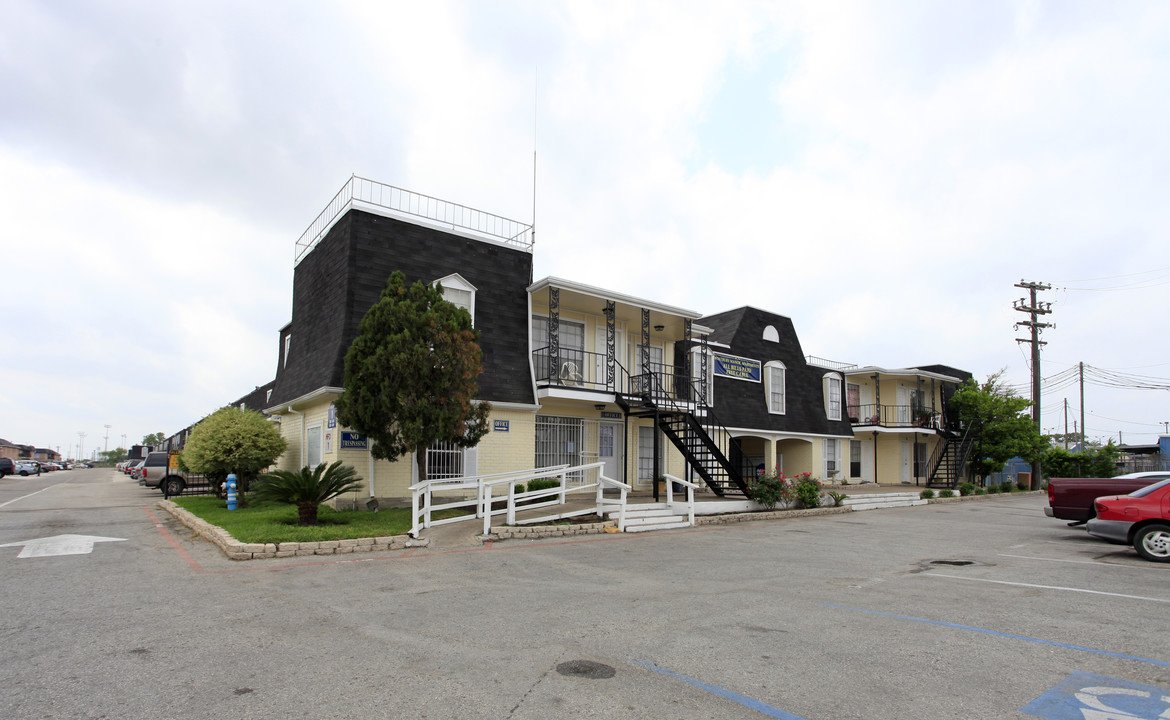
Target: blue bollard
{"x":232,"y":496}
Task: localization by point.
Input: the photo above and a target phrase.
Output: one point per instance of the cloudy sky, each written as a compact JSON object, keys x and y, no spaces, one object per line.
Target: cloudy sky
{"x":882,"y":173}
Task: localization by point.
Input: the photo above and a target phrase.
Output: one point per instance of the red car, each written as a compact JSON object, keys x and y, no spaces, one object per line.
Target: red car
{"x":1141,"y":518}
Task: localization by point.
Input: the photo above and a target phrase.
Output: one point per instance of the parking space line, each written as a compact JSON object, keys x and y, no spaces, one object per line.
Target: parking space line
{"x":735,"y":697}
{"x":1048,"y":587}
{"x":1149,"y":567}
{"x":22,"y":497}
{"x":996,"y":633}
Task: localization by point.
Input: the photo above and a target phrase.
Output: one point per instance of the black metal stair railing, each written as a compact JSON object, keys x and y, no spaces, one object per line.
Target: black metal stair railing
{"x":948,"y":459}
{"x":704,"y":441}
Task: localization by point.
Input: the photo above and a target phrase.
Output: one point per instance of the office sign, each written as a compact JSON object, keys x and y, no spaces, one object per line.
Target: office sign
{"x":736,"y":367}
{"x":500,"y":426}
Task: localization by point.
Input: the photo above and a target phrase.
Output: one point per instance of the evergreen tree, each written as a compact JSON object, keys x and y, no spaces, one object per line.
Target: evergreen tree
{"x":410,"y":374}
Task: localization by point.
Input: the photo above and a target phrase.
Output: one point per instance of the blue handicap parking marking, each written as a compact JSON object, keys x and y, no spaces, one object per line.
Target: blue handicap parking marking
{"x":1085,"y":696}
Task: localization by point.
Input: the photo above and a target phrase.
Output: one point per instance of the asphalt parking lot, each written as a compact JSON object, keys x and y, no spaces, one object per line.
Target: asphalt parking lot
{"x":981,"y":609}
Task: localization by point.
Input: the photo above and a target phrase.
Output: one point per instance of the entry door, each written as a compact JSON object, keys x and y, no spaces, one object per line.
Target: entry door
{"x":599,"y":358}
{"x":903,"y":406}
{"x":610,"y":449}
{"x":646,"y":456}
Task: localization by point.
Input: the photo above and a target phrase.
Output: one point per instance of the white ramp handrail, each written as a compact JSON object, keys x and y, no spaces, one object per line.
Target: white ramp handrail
{"x":690,"y":501}
{"x":423,"y":505}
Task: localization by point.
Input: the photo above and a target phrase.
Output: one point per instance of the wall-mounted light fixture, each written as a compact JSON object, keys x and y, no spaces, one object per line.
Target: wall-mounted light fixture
{"x":599,"y":407}
{"x":659,"y":328}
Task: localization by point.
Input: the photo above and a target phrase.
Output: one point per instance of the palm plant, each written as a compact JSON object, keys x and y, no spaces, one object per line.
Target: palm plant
{"x":307,"y":488}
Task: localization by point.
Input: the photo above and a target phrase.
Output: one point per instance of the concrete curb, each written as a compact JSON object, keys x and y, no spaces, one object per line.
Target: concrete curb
{"x":963,"y":498}
{"x":236,"y":550}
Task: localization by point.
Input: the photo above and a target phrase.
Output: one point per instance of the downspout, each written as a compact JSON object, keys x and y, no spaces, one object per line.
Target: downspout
{"x":301,"y":440}
{"x":875,"y":458}
{"x":370,"y":443}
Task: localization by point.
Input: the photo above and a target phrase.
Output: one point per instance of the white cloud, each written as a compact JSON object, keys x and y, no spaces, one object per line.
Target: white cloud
{"x":901,"y":169}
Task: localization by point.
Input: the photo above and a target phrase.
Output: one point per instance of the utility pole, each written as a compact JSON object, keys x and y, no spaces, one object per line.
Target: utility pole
{"x":1082,"y":369}
{"x":106,"y":447}
{"x":1034,"y":309}
{"x":1066,"y":424}
{"x":80,"y":443}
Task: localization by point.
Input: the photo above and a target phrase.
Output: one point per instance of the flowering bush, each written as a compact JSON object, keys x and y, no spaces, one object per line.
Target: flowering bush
{"x":807,"y":490}
{"x":768,"y":490}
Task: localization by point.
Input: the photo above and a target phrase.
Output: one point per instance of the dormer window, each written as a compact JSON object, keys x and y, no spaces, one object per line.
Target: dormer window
{"x":287,"y":342}
{"x":774,"y":390}
{"x":460,"y":293}
{"x":832,"y":389}
{"x":771,"y":334}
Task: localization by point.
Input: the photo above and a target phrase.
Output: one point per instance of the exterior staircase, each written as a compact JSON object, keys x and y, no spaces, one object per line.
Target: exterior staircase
{"x":692,"y":428}
{"x":949,"y":459}
{"x":687,"y":433}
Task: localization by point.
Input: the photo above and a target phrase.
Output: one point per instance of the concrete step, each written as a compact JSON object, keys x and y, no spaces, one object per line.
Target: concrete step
{"x":657,"y":512}
{"x":644,"y":519}
{"x":646,"y":528}
{"x":875,"y":505}
{"x":645,"y":506}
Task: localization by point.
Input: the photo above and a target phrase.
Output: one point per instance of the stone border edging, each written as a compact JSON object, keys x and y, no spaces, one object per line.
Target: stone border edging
{"x":237,"y":550}
{"x":542,"y":532}
{"x":961,"y":498}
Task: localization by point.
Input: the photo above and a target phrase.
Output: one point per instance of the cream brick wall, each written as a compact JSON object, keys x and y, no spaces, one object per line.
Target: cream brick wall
{"x":514,"y":449}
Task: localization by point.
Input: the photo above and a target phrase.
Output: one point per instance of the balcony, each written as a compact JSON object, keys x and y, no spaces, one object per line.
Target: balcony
{"x":895,"y":416}
{"x":584,"y":370}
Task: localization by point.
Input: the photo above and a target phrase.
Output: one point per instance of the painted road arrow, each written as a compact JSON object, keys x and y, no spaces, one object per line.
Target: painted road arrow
{"x":60,"y":545}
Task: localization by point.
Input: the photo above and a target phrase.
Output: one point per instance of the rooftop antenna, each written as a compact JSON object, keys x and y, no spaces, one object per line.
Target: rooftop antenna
{"x":535,"y":87}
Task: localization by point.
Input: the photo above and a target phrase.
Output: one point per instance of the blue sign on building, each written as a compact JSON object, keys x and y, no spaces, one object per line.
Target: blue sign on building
{"x":737,"y":367}
{"x":351,"y":440}
{"x":500,"y":426}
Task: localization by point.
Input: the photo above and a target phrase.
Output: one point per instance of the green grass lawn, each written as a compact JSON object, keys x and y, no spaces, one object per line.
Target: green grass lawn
{"x":274,"y":523}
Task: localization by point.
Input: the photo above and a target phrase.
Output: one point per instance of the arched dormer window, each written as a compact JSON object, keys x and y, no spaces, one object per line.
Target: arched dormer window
{"x":460,"y":293}
{"x":832,"y":389}
{"x":771,"y":334}
{"x":774,"y":390}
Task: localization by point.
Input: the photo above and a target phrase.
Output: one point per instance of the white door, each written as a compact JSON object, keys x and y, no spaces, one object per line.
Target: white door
{"x":609,"y":449}
{"x":906,"y":449}
{"x":313,"y":446}
{"x":646,"y":457}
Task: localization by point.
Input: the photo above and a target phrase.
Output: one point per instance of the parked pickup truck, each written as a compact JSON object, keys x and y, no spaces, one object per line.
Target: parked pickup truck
{"x":1072,"y":498}
{"x":161,"y":470}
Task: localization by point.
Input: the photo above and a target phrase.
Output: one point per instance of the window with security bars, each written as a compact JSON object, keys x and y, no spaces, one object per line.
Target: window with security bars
{"x":559,"y":440}
{"x":444,"y":461}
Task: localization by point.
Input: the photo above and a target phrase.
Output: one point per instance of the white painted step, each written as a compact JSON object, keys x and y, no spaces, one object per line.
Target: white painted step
{"x":639,"y":519}
{"x":638,"y":507}
{"x":886,"y":504}
{"x":646,"y":528}
{"x":657,"y":512}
